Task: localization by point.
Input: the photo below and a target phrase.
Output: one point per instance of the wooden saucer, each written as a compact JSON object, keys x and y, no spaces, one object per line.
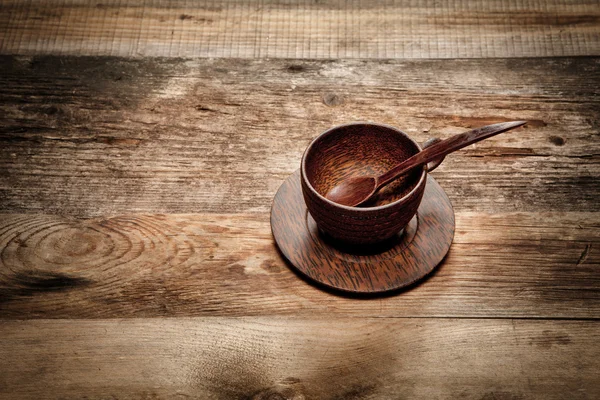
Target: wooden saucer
{"x":396,"y":263}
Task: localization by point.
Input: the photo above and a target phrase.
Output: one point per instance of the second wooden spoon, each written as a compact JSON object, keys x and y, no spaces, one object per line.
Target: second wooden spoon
{"x":356,"y":191}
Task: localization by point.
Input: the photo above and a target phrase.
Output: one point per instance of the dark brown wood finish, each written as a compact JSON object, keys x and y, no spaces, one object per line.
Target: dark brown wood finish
{"x":356,"y":190}
{"x":361,"y":149}
{"x":393,"y":264}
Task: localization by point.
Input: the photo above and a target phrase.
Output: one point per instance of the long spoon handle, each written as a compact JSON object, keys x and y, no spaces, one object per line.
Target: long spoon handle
{"x":445,"y":147}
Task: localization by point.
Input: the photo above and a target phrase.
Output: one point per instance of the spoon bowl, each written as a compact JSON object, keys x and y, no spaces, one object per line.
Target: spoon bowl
{"x":362,"y":187}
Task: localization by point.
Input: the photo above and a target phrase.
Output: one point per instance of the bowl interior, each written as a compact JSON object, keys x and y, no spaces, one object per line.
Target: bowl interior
{"x":361,"y":150}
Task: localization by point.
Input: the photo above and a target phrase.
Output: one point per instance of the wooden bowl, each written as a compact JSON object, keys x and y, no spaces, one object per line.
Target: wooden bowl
{"x":359,"y":149}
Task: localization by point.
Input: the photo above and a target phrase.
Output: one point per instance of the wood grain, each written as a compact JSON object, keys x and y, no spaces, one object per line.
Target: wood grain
{"x":136,"y":258}
{"x":500,"y":265}
{"x":85,"y":136}
{"x":306,"y":29}
{"x":299,"y":358}
{"x":382,"y":266}
{"x":351,"y":150}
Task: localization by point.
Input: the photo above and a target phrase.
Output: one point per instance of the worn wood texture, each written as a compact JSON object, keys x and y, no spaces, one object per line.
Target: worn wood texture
{"x":108,"y":136}
{"x":297,"y":358}
{"x":99,"y":155}
{"x":500,"y":265}
{"x":304,"y":29}
{"x":109,"y":139}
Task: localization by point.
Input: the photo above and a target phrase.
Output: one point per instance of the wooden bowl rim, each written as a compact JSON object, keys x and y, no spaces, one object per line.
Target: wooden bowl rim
{"x":329,"y":131}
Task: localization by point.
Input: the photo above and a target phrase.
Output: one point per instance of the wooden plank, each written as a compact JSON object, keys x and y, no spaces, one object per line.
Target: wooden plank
{"x":500,"y":265}
{"x":108,"y":136}
{"x":306,"y":29}
{"x":297,"y":358}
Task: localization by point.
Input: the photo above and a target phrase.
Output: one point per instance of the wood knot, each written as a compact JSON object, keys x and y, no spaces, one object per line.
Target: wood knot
{"x":332,"y":99}
{"x":557,"y":140}
{"x":295,"y":68}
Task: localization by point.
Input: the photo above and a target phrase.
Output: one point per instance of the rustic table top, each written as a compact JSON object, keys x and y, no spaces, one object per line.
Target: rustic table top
{"x":141,"y":145}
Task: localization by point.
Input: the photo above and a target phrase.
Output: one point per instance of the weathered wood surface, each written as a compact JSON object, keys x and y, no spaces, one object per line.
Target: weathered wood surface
{"x":502,"y":265}
{"x":107,"y":136}
{"x":127,"y":143}
{"x":306,"y":29}
{"x":141,"y":189}
{"x":297,"y":358}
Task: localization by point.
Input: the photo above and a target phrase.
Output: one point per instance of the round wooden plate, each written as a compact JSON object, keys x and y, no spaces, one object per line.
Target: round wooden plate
{"x":396,"y":263}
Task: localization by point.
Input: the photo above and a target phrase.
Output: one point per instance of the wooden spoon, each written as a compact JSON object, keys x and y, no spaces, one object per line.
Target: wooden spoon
{"x":356,"y":191}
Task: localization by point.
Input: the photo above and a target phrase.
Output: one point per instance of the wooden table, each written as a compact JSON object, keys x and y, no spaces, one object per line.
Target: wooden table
{"x":141,"y":146}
